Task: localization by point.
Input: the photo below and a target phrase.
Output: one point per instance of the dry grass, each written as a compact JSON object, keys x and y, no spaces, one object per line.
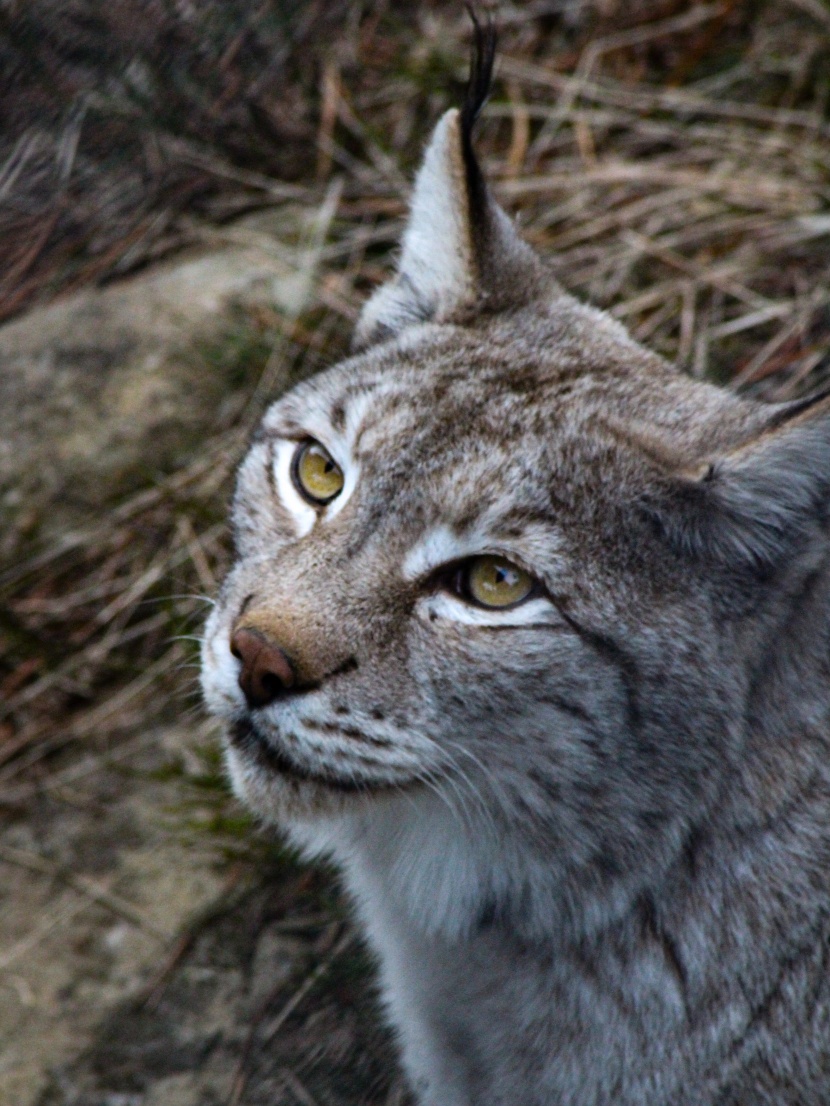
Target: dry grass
{"x":672,"y":159}
{"x":125,"y":119}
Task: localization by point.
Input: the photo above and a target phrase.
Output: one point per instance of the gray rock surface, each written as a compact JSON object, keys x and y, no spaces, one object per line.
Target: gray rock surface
{"x":100,"y":388}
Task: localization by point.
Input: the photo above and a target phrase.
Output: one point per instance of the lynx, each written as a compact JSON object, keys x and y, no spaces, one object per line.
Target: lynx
{"x":528,"y":632}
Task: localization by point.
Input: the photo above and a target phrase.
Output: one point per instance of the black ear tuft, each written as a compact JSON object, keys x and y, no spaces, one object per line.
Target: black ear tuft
{"x":480,"y":81}
{"x":461,"y":256}
{"x":787,"y":411}
{"x":479,"y":85}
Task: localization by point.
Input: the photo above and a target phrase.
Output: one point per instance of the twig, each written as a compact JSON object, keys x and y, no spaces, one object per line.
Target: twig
{"x":636,"y":36}
{"x":298,"y":1089}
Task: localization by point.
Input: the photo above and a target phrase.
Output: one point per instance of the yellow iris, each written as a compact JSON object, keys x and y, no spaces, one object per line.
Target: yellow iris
{"x":496,"y":582}
{"x":316,"y":475}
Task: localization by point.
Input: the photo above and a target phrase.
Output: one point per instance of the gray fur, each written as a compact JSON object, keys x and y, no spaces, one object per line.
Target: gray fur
{"x":589,"y":840}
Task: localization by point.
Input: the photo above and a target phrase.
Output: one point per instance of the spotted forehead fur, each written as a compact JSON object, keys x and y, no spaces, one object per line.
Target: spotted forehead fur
{"x":557,"y":405}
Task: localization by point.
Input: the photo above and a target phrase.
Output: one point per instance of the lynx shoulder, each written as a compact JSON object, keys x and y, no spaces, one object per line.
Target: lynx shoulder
{"x":529,"y":633}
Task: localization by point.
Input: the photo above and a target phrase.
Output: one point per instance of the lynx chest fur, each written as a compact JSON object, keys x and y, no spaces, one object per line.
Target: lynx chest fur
{"x":529,"y":633}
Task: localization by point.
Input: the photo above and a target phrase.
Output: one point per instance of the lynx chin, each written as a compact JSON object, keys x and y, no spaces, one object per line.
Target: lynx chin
{"x":530,"y":634}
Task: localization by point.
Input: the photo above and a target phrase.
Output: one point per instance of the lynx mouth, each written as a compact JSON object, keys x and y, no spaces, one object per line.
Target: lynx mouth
{"x":245,"y":737}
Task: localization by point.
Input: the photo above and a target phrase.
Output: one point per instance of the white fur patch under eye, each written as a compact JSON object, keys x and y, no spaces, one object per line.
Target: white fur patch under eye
{"x":454,"y":609}
{"x":302,"y":513}
{"x":442,"y":546}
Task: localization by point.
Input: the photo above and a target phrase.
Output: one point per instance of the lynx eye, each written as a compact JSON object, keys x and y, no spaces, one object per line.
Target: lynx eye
{"x":317,"y":477}
{"x":493,"y":581}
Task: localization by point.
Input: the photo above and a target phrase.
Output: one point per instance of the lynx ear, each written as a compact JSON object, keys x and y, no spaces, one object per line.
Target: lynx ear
{"x":460,"y":253}
{"x":763,"y":501}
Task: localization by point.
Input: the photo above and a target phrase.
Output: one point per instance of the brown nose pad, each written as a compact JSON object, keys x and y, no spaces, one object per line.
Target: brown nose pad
{"x":266,"y":673}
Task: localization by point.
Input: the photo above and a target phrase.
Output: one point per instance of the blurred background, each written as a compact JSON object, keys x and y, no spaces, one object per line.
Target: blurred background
{"x":196,"y":196}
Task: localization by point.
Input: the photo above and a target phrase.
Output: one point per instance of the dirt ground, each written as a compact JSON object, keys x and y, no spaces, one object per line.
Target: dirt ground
{"x":191,"y":218}
{"x":154,"y":974}
{"x":207,"y":990}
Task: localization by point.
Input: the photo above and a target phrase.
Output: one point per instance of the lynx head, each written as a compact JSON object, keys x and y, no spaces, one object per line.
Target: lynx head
{"x":502,"y":579}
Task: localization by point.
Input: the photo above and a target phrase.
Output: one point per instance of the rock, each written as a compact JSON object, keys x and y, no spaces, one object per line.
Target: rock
{"x":67,"y":956}
{"x":106,"y":388}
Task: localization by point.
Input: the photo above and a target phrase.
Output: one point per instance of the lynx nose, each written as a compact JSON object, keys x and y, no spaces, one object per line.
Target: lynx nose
{"x":266,"y":672}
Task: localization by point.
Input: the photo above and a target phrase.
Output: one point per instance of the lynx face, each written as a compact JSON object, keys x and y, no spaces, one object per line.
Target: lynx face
{"x":499,"y":578}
